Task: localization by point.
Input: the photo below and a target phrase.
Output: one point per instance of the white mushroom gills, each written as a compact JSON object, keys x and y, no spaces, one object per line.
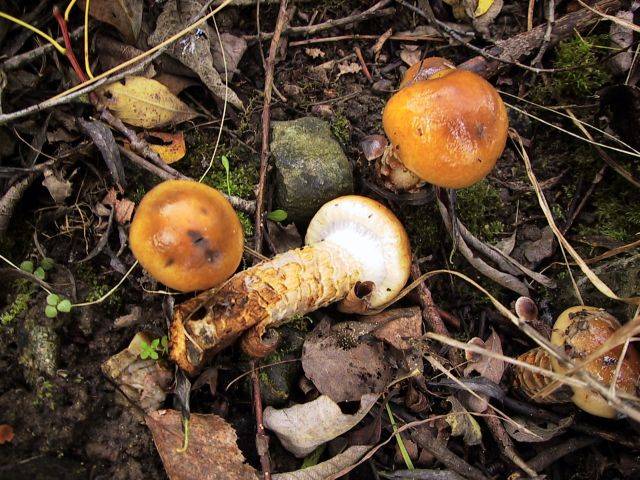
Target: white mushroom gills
{"x":350,"y":239}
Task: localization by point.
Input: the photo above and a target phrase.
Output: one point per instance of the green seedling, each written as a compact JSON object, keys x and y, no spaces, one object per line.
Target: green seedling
{"x":277,"y":216}
{"x":151,"y":350}
{"x":27,"y":266}
{"x":225,"y":164}
{"x":47,"y":263}
{"x":56,"y":304}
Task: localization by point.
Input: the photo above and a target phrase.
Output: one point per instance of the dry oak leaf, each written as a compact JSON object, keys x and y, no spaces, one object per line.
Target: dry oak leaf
{"x":304,"y":427}
{"x":212,"y":453}
{"x":194,"y":49}
{"x":125,"y":15}
{"x":144,"y":102}
{"x":172,"y":148}
{"x":342,"y":366}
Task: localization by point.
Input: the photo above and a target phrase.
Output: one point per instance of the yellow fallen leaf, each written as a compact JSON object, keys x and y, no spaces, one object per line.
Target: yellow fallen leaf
{"x":483,"y":6}
{"x":173,"y":147}
{"x":144,"y":102}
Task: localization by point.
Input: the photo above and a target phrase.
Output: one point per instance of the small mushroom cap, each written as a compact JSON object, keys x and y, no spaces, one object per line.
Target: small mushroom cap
{"x":425,"y":69}
{"x":449,"y":131}
{"x":581,"y":331}
{"x":373,"y":235}
{"x":186,"y":235}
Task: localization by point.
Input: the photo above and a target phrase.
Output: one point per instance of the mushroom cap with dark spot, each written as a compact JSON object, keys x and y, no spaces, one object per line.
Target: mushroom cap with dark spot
{"x":186,"y":235}
{"x":581,"y":331}
{"x":449,"y":130}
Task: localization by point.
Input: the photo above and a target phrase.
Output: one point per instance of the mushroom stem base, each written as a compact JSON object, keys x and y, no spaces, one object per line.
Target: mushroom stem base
{"x":394,"y":175}
{"x":267,"y":295}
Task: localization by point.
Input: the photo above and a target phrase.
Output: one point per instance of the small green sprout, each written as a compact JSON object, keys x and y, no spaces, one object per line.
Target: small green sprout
{"x":225,"y":164}
{"x":277,"y":216}
{"x":47,"y":263}
{"x":27,"y":266}
{"x":151,"y":350}
{"x":56,"y":304}
{"x":40,"y":273}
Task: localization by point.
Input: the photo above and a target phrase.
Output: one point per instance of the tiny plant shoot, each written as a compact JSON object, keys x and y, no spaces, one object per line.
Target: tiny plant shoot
{"x":153,"y":349}
{"x":277,"y":216}
{"x":225,"y":164}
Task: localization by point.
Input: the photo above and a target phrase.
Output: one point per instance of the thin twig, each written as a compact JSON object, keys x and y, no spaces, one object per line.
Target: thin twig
{"x":262,"y":439}
{"x":551,"y":20}
{"x":506,"y":444}
{"x":18,"y":61}
{"x":549,"y":456}
{"x":266,"y":121}
{"x":430,"y":312}
{"x":372,"y":12}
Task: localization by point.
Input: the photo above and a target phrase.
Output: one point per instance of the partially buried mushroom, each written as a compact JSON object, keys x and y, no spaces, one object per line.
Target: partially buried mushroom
{"x":351,"y":239}
{"x":580,"y":331}
{"x":186,"y":235}
{"x":446,"y":126}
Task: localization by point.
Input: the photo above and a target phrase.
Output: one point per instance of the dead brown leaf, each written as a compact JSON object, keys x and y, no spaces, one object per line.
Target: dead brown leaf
{"x":212,"y":453}
{"x":173,"y":147}
{"x":489,"y":368}
{"x":462,"y":423}
{"x":192,"y":50}
{"x":522,"y":429}
{"x":348,"y":68}
{"x":125,"y":15}
{"x":123,"y":207}
{"x":341,"y":365}
{"x":314,"y":52}
{"x":59,"y":188}
{"x":398,"y":326}
{"x":234,"y":48}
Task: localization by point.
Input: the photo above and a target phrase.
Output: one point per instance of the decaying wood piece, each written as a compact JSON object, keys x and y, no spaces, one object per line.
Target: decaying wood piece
{"x":520,"y":46}
{"x":295,"y":282}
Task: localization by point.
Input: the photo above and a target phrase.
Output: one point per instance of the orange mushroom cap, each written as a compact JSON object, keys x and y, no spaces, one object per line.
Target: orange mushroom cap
{"x":186,"y":235}
{"x":430,"y":67}
{"x":448,"y":130}
{"x":581,"y":331}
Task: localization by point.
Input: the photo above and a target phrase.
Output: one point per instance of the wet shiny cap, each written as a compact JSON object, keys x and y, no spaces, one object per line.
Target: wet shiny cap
{"x":448,"y":130}
{"x":186,"y":235}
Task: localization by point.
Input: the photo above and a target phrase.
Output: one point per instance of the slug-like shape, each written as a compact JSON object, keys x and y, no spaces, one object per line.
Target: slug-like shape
{"x":351,"y":239}
{"x":186,"y":235}
{"x":580,"y":331}
{"x":446,"y":126}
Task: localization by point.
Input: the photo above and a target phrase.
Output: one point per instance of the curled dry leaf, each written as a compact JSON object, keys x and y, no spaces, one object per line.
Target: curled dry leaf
{"x":125,"y":15}
{"x":304,"y":427}
{"x":410,"y":54}
{"x":104,"y":141}
{"x":59,"y":188}
{"x":192,"y":50}
{"x":532,"y":432}
{"x":234,"y":48}
{"x":347,"y":68}
{"x":462,"y":423}
{"x":341,"y":365}
{"x":144,"y":382}
{"x":396,"y":327}
{"x":111,"y":53}
{"x":314,"y":52}
{"x":144,"y":102}
{"x":488,"y":367}
{"x":172,"y":148}
{"x":123,"y":207}
{"x":6,"y":433}
{"x":326,"y":469}
{"x":212,"y":452}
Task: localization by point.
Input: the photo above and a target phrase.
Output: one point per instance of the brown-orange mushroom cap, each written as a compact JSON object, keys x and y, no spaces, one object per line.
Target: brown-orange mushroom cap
{"x":186,"y":235}
{"x":580,"y":331}
{"x":448,"y":130}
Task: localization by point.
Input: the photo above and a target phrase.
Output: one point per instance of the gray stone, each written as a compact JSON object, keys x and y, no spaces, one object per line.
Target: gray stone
{"x":311,"y":167}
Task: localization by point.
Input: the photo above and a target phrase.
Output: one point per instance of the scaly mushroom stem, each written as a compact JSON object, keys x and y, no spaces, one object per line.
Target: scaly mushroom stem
{"x":532,"y":383}
{"x":293,"y":283}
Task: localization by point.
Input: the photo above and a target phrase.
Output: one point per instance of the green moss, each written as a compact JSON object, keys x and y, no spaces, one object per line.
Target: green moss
{"x":247,"y":224}
{"x":17,"y":307}
{"x":96,"y":288}
{"x":341,"y":129}
{"x":481,"y":210}
{"x":242,"y":178}
{"x":617,"y":214}
{"x":424,"y":228}
{"x":585,"y":53}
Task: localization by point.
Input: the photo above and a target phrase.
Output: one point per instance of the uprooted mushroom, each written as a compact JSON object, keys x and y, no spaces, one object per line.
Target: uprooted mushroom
{"x":580,"y":332}
{"x":352,"y":243}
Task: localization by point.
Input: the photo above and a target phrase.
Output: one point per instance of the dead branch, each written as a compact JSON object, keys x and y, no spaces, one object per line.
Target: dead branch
{"x":505,"y":443}
{"x":521,"y":46}
{"x":549,"y":456}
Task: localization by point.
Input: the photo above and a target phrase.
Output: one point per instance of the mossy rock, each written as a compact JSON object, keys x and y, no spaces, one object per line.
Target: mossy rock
{"x":311,"y":167}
